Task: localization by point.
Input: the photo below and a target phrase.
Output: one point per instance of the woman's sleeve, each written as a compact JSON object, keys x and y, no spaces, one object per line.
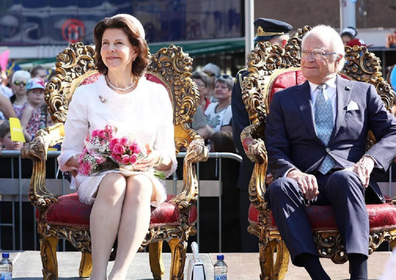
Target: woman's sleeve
{"x":165,"y":137}
{"x":76,"y":128}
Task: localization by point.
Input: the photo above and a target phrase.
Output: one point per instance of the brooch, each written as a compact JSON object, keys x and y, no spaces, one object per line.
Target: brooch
{"x":103,"y":100}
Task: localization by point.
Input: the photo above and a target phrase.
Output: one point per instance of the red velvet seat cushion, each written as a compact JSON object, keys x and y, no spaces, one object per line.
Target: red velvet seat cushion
{"x":70,"y":212}
{"x":381,"y":216}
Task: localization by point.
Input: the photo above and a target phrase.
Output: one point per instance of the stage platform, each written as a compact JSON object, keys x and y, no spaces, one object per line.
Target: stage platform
{"x":27,"y":265}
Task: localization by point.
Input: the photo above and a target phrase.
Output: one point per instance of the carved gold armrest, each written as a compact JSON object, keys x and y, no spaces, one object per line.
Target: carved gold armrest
{"x":36,"y":150}
{"x":256,"y":152}
{"x":196,"y":152}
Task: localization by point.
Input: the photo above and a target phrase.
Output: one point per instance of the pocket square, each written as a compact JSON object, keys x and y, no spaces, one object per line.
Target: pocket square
{"x":352,"y":106}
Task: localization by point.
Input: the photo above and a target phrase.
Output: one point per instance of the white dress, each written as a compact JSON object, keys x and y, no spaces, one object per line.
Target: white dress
{"x":145,"y":112}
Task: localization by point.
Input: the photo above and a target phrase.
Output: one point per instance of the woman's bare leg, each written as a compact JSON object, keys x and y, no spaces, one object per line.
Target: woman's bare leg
{"x":105,"y":220}
{"x":135,"y":220}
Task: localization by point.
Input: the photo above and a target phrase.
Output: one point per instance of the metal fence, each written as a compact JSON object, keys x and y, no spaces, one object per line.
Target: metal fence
{"x":15,"y":175}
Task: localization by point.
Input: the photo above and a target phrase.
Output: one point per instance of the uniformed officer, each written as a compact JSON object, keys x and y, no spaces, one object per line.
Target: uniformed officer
{"x":277,"y":33}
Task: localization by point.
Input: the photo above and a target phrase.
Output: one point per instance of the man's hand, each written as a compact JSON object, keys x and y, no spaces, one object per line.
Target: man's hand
{"x":363,"y":169}
{"x":269,"y":178}
{"x":307,"y":183}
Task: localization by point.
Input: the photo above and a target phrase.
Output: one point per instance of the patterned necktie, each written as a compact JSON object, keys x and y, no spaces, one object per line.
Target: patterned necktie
{"x":324,"y":125}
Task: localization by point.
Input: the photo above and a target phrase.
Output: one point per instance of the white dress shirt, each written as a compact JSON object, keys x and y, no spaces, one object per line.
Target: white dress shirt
{"x":329,"y":93}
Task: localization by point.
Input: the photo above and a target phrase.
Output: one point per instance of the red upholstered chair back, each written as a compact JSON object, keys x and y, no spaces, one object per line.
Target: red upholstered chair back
{"x":282,"y":79}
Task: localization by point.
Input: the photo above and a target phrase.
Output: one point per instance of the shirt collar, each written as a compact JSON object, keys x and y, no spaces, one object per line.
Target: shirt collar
{"x":330,"y":84}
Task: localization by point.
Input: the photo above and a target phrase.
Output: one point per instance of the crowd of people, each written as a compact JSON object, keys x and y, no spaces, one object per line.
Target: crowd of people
{"x":22,"y":97}
{"x":121,"y":59}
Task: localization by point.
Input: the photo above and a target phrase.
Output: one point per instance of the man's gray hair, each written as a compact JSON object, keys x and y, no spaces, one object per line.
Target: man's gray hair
{"x":330,"y":36}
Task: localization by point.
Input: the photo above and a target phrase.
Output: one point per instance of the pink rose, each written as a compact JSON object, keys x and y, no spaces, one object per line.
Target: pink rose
{"x":81,"y":157}
{"x":103,"y":135}
{"x":116,"y":157}
{"x":113,"y":142}
{"x":95,"y":132}
{"x":124,"y":141}
{"x":110,"y":130}
{"x":85,"y":168}
{"x":125,"y":159}
{"x":118,"y":149}
{"x":133,"y":159}
{"x":135,"y":148}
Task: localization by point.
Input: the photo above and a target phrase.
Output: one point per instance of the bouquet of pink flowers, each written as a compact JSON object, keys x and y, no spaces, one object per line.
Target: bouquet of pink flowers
{"x":104,"y":152}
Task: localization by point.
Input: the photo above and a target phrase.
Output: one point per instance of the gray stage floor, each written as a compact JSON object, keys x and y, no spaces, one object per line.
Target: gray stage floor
{"x":27,"y":265}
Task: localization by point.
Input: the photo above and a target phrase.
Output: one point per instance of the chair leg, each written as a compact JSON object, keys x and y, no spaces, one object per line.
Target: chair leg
{"x":156,"y":263}
{"x":178,"y":250}
{"x":271,"y":270}
{"x":85,"y":265}
{"x":392,"y":244}
{"x":282,"y":260}
{"x":48,"y":257}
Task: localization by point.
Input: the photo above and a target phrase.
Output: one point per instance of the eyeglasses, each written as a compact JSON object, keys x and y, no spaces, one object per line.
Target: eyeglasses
{"x":201,"y":85}
{"x":20,"y":83}
{"x":317,"y":54}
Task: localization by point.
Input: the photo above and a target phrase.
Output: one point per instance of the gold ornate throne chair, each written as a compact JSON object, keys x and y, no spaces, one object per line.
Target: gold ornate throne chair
{"x":64,"y":217}
{"x":272,"y":68}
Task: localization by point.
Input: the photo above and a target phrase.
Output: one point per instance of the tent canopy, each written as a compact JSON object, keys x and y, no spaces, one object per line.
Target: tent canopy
{"x":193,"y":48}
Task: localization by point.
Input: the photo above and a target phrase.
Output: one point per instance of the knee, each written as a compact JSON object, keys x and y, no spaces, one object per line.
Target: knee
{"x":113,"y":184}
{"x":111,"y":188}
{"x":139,"y":188}
{"x":343,"y":181}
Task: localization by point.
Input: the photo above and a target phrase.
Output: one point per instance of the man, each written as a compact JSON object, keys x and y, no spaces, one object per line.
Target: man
{"x":316,"y":137}
{"x":277,"y":33}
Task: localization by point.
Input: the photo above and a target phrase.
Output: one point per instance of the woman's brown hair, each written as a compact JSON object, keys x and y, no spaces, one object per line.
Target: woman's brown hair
{"x":135,"y":38}
{"x":222,"y":141}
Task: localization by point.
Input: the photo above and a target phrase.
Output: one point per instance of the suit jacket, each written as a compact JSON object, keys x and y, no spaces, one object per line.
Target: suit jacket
{"x":240,"y":120}
{"x":292,"y":142}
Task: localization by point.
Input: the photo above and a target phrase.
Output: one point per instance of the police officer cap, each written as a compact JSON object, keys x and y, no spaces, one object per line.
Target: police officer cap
{"x":267,"y":28}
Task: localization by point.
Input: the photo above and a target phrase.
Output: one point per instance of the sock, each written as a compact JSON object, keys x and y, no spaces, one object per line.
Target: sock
{"x":313,"y":266}
{"x":358,"y":266}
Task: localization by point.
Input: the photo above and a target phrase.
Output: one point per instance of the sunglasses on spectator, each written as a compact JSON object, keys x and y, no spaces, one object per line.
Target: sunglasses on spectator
{"x":20,"y":83}
{"x":209,"y":73}
{"x":224,"y":76}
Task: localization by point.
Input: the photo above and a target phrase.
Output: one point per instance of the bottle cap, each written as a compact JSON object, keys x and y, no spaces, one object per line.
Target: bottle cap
{"x":220,"y":257}
{"x":5,"y":255}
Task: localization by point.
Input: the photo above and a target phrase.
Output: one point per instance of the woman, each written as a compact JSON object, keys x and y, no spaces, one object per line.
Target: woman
{"x":203,"y":83}
{"x":219,"y":114}
{"x":122,"y":97}
{"x":348,"y":34}
{"x":18,"y":83}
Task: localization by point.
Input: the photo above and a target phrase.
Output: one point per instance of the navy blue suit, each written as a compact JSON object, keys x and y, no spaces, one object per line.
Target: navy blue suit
{"x":240,"y":120}
{"x":291,"y":142}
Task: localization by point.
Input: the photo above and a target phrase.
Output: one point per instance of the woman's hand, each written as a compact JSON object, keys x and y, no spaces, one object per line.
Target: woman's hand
{"x":149,"y":161}
{"x":73,"y":161}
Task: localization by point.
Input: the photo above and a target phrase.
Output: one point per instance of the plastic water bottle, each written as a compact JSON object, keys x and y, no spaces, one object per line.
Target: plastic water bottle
{"x":5,"y":267}
{"x":220,"y":268}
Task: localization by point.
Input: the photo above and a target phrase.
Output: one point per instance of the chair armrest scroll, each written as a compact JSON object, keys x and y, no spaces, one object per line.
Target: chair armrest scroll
{"x":196,"y":152}
{"x":256,"y":152}
{"x":36,"y":150}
